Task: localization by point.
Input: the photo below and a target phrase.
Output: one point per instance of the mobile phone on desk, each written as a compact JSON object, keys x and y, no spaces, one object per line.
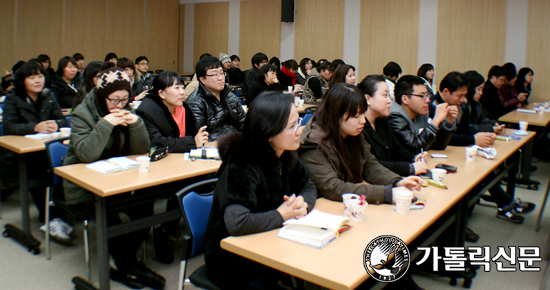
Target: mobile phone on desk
{"x":449,"y":168}
{"x":436,"y":155}
{"x":427,"y":175}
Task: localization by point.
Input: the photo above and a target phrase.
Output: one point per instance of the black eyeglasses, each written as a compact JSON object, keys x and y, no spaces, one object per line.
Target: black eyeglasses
{"x":425,"y":97}
{"x":116,"y":102}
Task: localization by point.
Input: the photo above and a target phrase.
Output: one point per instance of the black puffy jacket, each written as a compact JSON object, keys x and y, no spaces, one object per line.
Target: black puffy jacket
{"x":220,"y":117}
{"x":64,"y":92}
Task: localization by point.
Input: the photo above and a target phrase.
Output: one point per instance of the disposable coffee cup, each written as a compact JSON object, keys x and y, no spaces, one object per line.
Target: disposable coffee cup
{"x":297,"y":101}
{"x":301,"y":104}
{"x":470,"y":154}
{"x":357,"y":211}
{"x":65,"y":131}
{"x":135,"y":104}
{"x":346,"y":198}
{"x":403,"y":199}
{"x":143,"y":163}
{"x":290,"y":89}
{"x":523,"y":125}
{"x":438,"y":174}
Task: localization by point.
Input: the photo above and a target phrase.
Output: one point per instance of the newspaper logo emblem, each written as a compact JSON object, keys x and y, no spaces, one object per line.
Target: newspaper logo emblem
{"x":386,"y":258}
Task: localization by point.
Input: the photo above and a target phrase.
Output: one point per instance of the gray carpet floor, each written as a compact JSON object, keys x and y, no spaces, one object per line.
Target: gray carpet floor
{"x":20,"y":269}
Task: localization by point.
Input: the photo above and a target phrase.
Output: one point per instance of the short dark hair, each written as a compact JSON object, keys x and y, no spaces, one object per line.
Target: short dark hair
{"x":163,"y":80}
{"x":510,"y":69}
{"x":260,"y":75}
{"x":496,"y":71}
{"x":140,"y":58}
{"x":78,"y":56}
{"x":339,"y":75}
{"x":44,"y":58}
{"x":124,"y":62}
{"x":26,"y":70}
{"x":111,"y":55}
{"x":290,"y":64}
{"x":107,"y":65}
{"x":453,"y":81}
{"x":335,"y":63}
{"x":204,"y":55}
{"x":405,"y":86}
{"x":206,"y":63}
{"x":258,"y":58}
{"x":392,"y":69}
{"x":62,"y":64}
{"x":319,"y":62}
{"x":324,"y":65}
{"x":369,"y":85}
{"x":276,"y":62}
{"x":474,"y":80}
{"x":233,"y":57}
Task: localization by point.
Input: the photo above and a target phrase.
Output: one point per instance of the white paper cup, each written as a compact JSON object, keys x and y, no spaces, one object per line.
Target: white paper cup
{"x":301,"y":103}
{"x":470,"y":154}
{"x":65,"y":131}
{"x":357,"y":211}
{"x":523,"y":125}
{"x":297,"y":101}
{"x":143,"y":163}
{"x":403,"y":199}
{"x":346,"y":198}
{"x":290,"y":89}
{"x":438,"y":174}
{"x":135,"y":104}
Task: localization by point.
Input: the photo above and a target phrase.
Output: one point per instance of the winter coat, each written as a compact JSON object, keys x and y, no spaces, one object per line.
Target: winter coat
{"x":236,"y":76}
{"x":163,"y":130}
{"x":65,"y":93}
{"x":220,"y":117}
{"x":258,"y":87}
{"x":92,"y":140}
{"x":325,"y":169}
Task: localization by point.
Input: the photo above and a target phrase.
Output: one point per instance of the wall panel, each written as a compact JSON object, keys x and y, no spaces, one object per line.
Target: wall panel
{"x":85,"y":24}
{"x":7,"y":20}
{"x":318,"y":29}
{"x":211,"y":29}
{"x":470,"y":36}
{"x":385,"y":37}
{"x":39,"y":29}
{"x":125,"y":28}
{"x":161,"y":34}
{"x":538,"y":47}
{"x":260,"y":30}
{"x":181,"y":38}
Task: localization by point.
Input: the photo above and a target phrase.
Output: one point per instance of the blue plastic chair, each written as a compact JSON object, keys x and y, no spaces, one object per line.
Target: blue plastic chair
{"x":306,"y":118}
{"x":1,"y":129}
{"x":196,"y":211}
{"x":56,"y":151}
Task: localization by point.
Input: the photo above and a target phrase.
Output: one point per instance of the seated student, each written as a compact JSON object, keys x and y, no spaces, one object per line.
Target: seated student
{"x":379,"y":133}
{"x":496,"y":104}
{"x":266,"y":80}
{"x":343,"y":74}
{"x":258,"y":60}
{"x":473,"y":114}
{"x":168,"y":119}
{"x":138,"y":90}
{"x":194,"y":84}
{"x":79,"y":58}
{"x":317,"y":83}
{"x":31,"y":108}
{"x":236,"y":75}
{"x":275,"y":62}
{"x":410,"y":121}
{"x":337,"y":156}
{"x":46,"y":63}
{"x":287,"y":74}
{"x":226,"y":64}
{"x":510,"y":97}
{"x":90,"y":81}
{"x":392,"y":72}
{"x":111,"y":57}
{"x":213,"y":103}
{"x":65,"y":84}
{"x":523,"y":82}
{"x":104,"y":126}
{"x":169,"y":122}
{"x":306,"y":65}
{"x":142,"y":65}
{"x":261,"y":184}
{"x":426,"y":72}
{"x":481,"y":133}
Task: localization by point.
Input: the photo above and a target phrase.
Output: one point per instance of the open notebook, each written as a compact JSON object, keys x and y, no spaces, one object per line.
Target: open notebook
{"x":113,"y":165}
{"x":316,"y":229}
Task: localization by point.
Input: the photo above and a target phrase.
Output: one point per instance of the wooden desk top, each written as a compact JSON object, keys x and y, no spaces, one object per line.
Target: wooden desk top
{"x":339,"y":265}
{"x":170,"y":169}
{"x":538,"y":119}
{"x":303,"y":108}
{"x":22,"y":144}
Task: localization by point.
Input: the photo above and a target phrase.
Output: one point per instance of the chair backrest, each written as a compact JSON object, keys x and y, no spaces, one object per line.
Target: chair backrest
{"x":56,"y":151}
{"x":1,"y":129}
{"x":196,"y":211}
{"x":306,"y":118}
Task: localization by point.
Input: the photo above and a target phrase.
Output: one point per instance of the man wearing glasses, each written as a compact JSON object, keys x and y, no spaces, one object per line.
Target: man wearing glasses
{"x":410,"y":121}
{"x":142,"y":64}
{"x":213,"y":103}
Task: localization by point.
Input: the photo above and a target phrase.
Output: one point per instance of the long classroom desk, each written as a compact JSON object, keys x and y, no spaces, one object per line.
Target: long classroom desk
{"x":171,"y":169}
{"x":22,"y":146}
{"x":339,"y":265}
{"x":539,"y":122}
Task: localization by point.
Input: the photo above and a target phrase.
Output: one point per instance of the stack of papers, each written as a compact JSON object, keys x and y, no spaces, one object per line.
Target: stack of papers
{"x":43,"y":136}
{"x":114,"y":164}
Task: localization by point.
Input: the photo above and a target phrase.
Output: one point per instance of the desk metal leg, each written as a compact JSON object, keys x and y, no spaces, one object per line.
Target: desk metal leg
{"x":102,"y":245}
{"x":511,"y":178}
{"x":24,"y":192}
